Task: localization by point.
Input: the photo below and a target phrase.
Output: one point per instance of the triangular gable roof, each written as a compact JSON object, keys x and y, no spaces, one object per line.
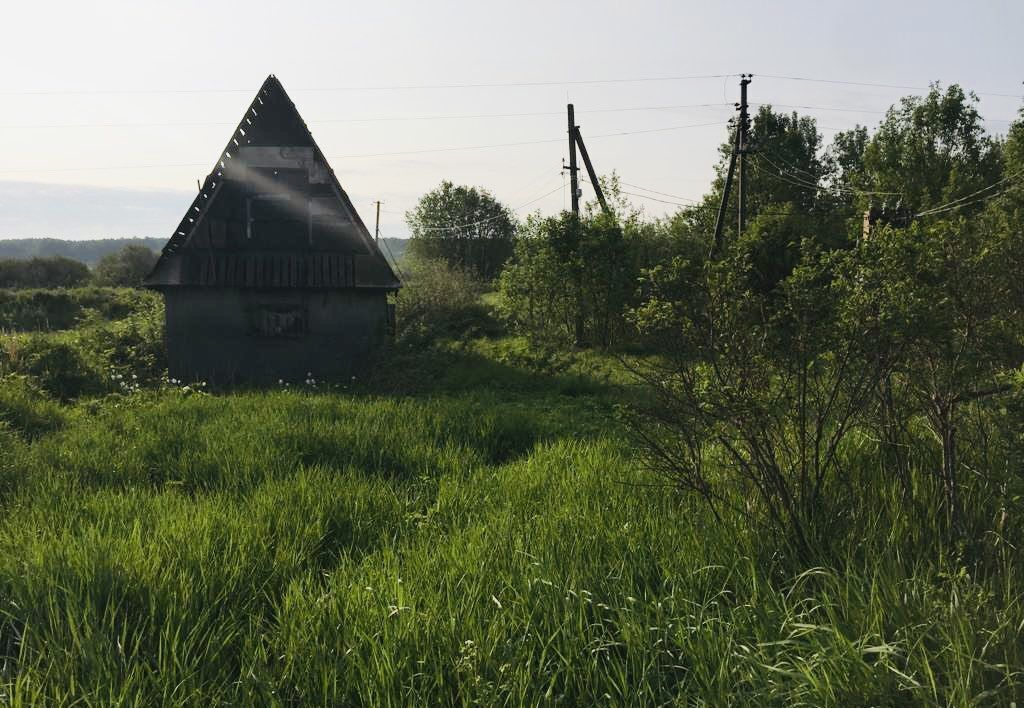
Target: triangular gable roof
{"x":271,"y":129}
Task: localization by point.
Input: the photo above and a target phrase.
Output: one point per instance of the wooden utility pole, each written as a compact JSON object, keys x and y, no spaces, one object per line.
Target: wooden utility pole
{"x":376,"y":229}
{"x":574,"y":185}
{"x":741,"y":142}
{"x":574,"y":182}
{"x":590,"y":171}
{"x":739,"y":150}
{"x":576,"y":140}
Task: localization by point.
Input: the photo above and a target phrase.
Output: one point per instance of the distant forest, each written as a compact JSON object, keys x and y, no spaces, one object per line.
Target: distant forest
{"x":91,"y":251}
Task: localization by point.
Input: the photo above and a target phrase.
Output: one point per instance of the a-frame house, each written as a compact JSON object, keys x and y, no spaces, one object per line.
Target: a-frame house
{"x":271,"y":275}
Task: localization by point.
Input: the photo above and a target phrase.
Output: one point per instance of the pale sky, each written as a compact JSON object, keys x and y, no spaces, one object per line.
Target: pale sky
{"x":113,"y":110}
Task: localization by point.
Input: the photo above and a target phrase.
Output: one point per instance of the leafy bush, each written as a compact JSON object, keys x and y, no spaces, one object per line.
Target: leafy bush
{"x":55,"y":309}
{"x":441,"y":302}
{"x":97,"y":358}
{"x":57,"y":363}
{"x":570,"y":280}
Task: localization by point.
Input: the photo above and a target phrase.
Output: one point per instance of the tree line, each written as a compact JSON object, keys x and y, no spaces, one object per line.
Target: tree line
{"x":124,"y":268}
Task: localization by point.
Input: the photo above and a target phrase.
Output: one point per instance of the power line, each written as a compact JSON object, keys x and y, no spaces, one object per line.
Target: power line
{"x":500,"y":84}
{"x":391,"y":87}
{"x":377,"y":154}
{"x":377,"y":119}
{"x":795,"y":179}
{"x":877,"y":85}
{"x":853,"y":110}
{"x":958,"y":203}
{"x":460,"y":227}
{"x":663,"y":194}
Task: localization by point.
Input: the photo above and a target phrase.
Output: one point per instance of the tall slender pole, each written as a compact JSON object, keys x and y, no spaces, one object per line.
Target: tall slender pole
{"x":739,"y":149}
{"x":726,"y":188}
{"x":574,"y":183}
{"x":376,"y":229}
{"x":741,"y":186}
{"x":590,"y":171}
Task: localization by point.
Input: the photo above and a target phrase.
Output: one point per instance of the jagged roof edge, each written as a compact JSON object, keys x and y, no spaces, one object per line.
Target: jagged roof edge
{"x":212,"y":183}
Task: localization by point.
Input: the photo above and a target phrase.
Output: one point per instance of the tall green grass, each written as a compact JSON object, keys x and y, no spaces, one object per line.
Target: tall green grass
{"x":473,"y":548}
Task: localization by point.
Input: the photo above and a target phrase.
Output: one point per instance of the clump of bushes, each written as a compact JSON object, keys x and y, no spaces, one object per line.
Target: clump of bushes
{"x":439,"y":301}
{"x":38,"y":310}
{"x":93,"y":359}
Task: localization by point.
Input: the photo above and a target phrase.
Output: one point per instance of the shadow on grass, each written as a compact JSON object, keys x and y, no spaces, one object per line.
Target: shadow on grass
{"x":454,"y":369}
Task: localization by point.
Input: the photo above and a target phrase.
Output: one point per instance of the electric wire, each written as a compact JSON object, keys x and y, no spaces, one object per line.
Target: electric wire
{"x":392,"y":87}
{"x":472,"y":224}
{"x":376,"y":119}
{"x":477,"y":85}
{"x":663,"y":194}
{"x":961,"y":202}
{"x":770,"y":104}
{"x":796,"y":180}
{"x":379,"y":154}
{"x":875,"y":85}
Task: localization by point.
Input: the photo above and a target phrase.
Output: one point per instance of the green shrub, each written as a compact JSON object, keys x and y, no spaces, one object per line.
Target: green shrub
{"x":58,"y":364}
{"x":65,"y":308}
{"x":99,"y":357}
{"x":439,"y":301}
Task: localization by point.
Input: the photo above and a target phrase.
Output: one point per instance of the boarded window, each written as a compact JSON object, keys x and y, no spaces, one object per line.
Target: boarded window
{"x":276,"y":321}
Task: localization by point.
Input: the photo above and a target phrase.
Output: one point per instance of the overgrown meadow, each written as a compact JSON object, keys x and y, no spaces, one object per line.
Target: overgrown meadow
{"x":464,"y":525}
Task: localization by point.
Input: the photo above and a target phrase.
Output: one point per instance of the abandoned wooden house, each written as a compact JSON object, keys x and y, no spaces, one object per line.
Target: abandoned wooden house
{"x":271,"y":275}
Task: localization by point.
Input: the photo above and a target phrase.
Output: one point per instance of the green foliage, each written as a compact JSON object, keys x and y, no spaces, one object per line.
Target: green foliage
{"x":930,"y":150}
{"x":570,"y":280}
{"x":438,"y":301}
{"x":953,"y":320}
{"x":463,"y":226}
{"x":97,"y":358}
{"x":59,"y":365}
{"x":46,"y":310}
{"x":787,"y":153}
{"x":26,"y":410}
{"x":127,"y":268}
{"x":43,"y":272}
{"x":758,"y":386}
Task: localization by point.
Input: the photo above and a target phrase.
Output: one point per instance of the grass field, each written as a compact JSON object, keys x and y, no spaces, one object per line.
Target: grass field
{"x":487,"y":540}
